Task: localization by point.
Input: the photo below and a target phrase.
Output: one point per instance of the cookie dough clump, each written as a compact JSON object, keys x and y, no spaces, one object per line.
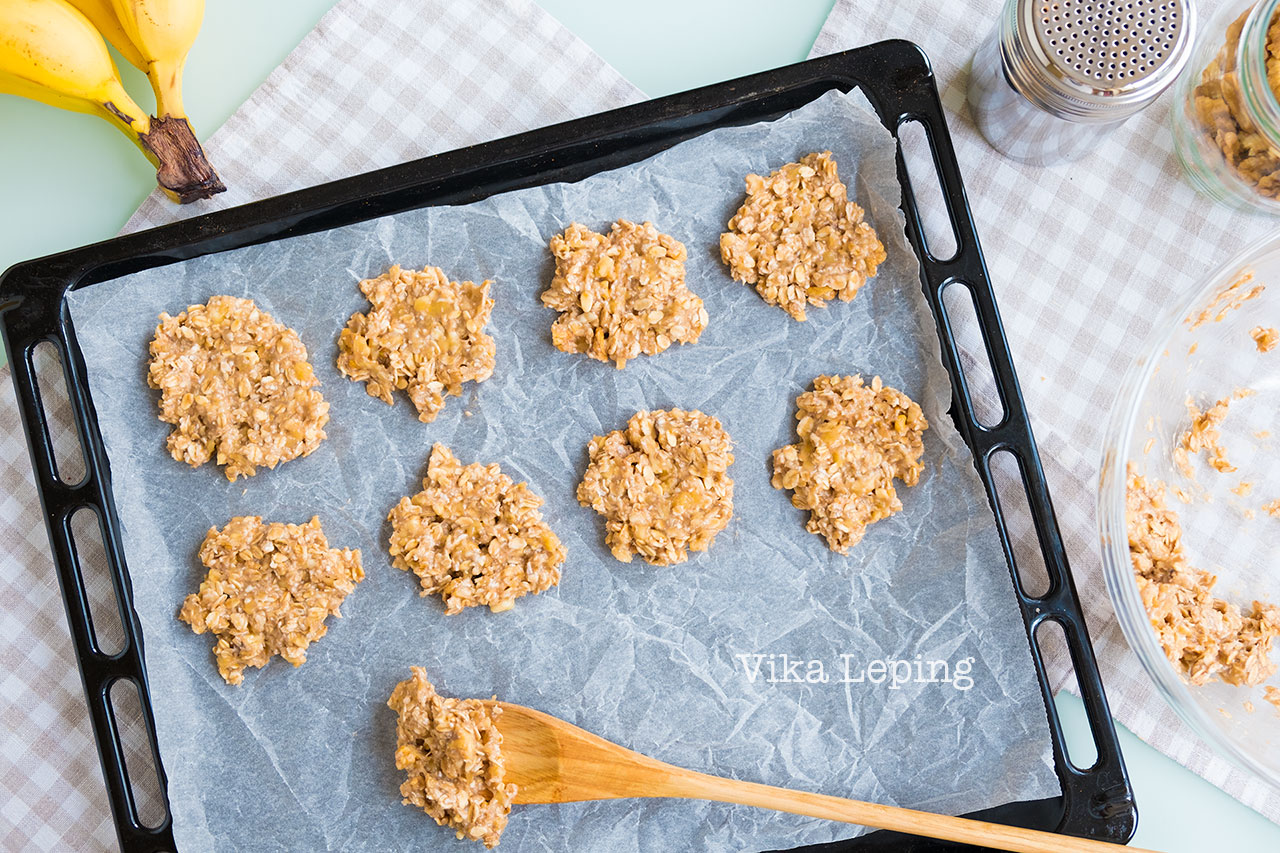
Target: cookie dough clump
{"x":662,"y":485}
{"x":451,"y":752}
{"x":855,"y":440}
{"x":237,"y":387}
{"x":1205,"y":637}
{"x":799,"y":239}
{"x":474,"y":537}
{"x":268,"y":591}
{"x":621,"y":294}
{"x":424,"y":335}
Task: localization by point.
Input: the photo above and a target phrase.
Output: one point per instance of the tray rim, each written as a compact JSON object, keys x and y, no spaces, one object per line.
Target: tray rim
{"x":896,"y":77}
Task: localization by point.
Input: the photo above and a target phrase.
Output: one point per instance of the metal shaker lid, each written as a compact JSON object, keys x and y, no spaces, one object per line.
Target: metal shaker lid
{"x":1096,"y":60}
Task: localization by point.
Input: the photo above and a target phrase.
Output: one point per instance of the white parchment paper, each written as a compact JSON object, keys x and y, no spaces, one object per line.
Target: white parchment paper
{"x":658,"y":659}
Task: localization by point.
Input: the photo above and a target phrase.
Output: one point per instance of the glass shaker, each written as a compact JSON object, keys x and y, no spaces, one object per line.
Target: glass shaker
{"x":1055,"y":77}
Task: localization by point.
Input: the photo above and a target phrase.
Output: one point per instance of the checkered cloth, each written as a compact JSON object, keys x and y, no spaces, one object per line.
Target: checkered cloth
{"x":1083,"y":257}
{"x":377,"y":82}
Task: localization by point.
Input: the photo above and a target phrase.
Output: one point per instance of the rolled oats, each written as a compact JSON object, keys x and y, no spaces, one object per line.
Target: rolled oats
{"x":855,"y":440}
{"x":237,"y":387}
{"x":451,"y":752}
{"x":662,"y":485}
{"x":622,"y":294}
{"x":1265,"y":339}
{"x":1219,"y":107}
{"x":799,"y":239}
{"x":1205,"y":637}
{"x":424,"y":335}
{"x":474,"y":537}
{"x":268,"y":591}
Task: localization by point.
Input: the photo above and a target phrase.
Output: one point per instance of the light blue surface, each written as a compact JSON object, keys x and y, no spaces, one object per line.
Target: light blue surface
{"x":67,"y":179}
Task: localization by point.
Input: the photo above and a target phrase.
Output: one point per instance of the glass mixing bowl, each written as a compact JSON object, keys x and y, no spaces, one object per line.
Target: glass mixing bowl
{"x":1225,"y":532}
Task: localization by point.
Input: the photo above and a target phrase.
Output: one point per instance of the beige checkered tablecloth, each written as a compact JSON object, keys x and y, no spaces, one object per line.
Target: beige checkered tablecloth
{"x":1082,"y":258}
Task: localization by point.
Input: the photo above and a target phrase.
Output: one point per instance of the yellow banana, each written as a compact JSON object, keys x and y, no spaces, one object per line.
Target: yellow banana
{"x":162,"y":31}
{"x":50,"y":52}
{"x":103,"y":16}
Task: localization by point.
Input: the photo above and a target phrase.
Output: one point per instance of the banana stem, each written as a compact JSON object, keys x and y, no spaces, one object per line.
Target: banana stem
{"x":166,"y":82}
{"x":182,"y":170}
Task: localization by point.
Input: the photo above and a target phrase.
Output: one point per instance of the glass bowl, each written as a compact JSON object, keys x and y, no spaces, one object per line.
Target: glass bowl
{"x":1225,"y":532}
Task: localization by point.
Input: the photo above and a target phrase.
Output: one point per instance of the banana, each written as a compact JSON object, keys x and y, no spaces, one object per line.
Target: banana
{"x":162,"y":31}
{"x":103,"y":16}
{"x":50,"y":52}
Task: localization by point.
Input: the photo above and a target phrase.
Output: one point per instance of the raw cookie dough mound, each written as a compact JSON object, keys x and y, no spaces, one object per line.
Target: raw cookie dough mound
{"x":662,"y":485}
{"x":855,"y":440}
{"x":451,"y":752}
{"x":237,"y":387}
{"x":1202,"y":635}
{"x":799,"y":239}
{"x":474,"y":537}
{"x":268,"y":591}
{"x":621,"y":295}
{"x":425,"y":334}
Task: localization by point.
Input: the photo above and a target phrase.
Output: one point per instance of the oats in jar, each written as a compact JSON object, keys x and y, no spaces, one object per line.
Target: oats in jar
{"x":237,"y":387}
{"x":451,"y":753}
{"x":799,"y":239}
{"x":621,"y":294}
{"x":474,"y":537}
{"x":268,"y":591}
{"x":855,"y":440}
{"x":662,"y":485}
{"x":424,"y":335}
{"x":1203,"y":636}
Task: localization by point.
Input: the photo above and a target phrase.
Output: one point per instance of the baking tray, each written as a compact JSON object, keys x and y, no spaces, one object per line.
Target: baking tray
{"x":895,"y":76}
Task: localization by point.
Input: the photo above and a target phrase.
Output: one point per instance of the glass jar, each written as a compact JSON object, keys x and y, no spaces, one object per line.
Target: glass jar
{"x":1226,"y":119}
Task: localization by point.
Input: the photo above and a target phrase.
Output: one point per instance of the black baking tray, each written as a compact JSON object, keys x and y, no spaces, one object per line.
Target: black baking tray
{"x":1096,"y":802}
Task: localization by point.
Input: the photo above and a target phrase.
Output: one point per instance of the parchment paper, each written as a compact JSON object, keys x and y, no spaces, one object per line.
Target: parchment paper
{"x":648,"y":657}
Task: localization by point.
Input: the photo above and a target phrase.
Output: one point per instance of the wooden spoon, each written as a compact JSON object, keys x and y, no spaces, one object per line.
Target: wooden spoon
{"x":551,"y":761}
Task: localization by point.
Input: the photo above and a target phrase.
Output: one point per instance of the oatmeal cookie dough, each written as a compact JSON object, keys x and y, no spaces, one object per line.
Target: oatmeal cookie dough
{"x":1203,"y":435}
{"x":237,"y":387}
{"x":621,"y":294}
{"x":424,"y":335}
{"x":1205,"y":637}
{"x":855,"y":440}
{"x":474,"y":537}
{"x":662,"y":485}
{"x":451,"y":752}
{"x":268,"y":591}
{"x":799,"y":239}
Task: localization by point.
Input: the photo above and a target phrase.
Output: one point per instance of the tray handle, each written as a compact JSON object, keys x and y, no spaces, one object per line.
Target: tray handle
{"x":100,"y":672}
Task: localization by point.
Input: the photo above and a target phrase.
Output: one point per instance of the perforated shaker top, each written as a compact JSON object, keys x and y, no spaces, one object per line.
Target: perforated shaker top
{"x":1109,"y":44}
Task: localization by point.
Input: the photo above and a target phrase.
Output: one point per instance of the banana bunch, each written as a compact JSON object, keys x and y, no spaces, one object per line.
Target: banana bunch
{"x":53,"y":51}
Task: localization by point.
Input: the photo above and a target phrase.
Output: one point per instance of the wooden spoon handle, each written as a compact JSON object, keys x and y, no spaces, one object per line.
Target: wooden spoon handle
{"x":944,"y":827}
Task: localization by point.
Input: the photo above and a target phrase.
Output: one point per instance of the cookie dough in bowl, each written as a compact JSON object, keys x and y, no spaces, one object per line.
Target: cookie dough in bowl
{"x":1190,"y":470}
